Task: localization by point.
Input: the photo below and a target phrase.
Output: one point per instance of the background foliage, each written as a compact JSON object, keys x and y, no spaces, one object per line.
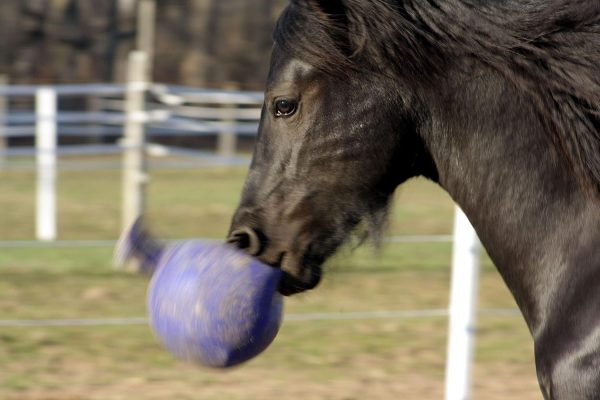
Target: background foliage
{"x":198,"y":42}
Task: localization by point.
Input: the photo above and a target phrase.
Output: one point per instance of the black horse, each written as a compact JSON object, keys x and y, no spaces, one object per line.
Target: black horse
{"x":498,"y":101}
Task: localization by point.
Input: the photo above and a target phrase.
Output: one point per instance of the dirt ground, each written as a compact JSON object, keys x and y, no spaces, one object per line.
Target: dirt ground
{"x":497,"y":383}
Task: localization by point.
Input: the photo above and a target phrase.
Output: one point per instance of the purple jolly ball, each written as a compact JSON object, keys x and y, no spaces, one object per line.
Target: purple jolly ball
{"x":213,"y":304}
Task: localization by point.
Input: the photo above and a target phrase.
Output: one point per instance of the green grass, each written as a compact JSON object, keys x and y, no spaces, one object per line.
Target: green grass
{"x":358,"y":359}
{"x":181,"y":203}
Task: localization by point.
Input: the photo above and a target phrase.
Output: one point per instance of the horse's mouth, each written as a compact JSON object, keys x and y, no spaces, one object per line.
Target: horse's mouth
{"x":297,"y":279}
{"x":301,"y":269}
{"x":290,"y":285}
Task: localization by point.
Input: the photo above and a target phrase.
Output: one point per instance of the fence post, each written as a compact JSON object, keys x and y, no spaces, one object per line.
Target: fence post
{"x":146,"y":26}
{"x":3,"y":113}
{"x":134,"y":163}
{"x":463,"y":304}
{"x":45,"y":141}
{"x":227,"y":139}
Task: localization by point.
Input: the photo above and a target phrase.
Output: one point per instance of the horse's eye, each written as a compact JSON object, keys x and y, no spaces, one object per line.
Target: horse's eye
{"x":285,"y":107}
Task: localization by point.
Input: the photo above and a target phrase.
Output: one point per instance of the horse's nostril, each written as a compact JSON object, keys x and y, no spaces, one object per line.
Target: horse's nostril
{"x":248,"y":240}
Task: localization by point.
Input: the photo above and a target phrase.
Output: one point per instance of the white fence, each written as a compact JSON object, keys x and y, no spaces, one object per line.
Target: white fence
{"x":138,"y":111}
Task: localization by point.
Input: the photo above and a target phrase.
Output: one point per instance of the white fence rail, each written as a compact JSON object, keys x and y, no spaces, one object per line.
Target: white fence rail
{"x":169,"y":110}
{"x":301,"y":317}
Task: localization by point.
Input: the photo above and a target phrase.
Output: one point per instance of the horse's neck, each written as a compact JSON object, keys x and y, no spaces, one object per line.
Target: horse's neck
{"x":532,"y":217}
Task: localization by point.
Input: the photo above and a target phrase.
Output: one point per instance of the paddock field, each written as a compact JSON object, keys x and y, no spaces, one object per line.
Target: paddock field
{"x":337,"y":360}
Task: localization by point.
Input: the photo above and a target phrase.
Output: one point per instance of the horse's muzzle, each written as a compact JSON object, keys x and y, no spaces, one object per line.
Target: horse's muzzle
{"x":300,"y":272}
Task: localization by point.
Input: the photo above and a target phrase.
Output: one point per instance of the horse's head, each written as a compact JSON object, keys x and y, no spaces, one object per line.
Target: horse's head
{"x":331,"y":148}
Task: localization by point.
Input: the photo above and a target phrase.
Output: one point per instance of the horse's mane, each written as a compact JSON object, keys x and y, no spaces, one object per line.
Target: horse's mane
{"x":549,"y":49}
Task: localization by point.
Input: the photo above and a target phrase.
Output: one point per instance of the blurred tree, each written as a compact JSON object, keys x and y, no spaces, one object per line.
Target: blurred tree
{"x":198,"y":42}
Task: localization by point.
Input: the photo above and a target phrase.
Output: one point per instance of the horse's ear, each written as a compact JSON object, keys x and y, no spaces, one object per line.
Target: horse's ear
{"x":333,"y":9}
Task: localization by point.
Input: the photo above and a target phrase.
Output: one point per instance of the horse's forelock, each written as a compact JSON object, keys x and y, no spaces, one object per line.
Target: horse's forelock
{"x":305,"y":34}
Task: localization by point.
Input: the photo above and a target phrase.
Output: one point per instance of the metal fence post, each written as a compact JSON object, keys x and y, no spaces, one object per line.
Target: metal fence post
{"x":45,"y":141}
{"x":463,"y":305}
{"x":134,"y":163}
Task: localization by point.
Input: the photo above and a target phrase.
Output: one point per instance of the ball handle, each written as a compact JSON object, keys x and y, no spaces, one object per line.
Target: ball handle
{"x":137,"y":243}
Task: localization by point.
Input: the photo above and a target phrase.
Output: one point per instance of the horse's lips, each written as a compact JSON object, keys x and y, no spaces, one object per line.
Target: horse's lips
{"x":291,"y":283}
